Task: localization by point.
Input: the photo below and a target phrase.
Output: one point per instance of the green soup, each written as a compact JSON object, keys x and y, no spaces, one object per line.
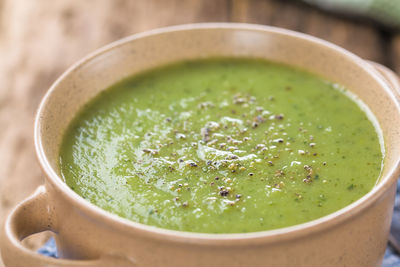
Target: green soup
{"x":222,"y":146}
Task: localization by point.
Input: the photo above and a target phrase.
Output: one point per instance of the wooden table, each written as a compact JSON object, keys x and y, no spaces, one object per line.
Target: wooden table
{"x":40,"y":39}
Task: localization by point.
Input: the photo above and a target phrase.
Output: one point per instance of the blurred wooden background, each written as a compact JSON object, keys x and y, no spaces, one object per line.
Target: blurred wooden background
{"x":40,"y":39}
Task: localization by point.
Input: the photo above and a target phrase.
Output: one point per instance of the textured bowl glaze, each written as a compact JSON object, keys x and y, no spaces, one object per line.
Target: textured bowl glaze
{"x":89,"y":236}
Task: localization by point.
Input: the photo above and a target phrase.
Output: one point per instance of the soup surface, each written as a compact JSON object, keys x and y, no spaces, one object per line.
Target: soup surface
{"x":222,"y":146}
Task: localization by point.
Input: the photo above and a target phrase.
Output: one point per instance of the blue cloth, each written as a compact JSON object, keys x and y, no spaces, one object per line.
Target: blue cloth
{"x":49,"y":249}
{"x":391,"y":259}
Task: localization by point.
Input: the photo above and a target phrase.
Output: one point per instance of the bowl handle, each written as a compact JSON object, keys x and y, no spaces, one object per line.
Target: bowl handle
{"x":389,"y":76}
{"x":32,"y":216}
{"x":394,"y":81}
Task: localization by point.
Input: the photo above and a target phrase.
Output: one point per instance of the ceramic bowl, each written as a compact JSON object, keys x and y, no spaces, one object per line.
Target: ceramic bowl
{"x":89,"y":236}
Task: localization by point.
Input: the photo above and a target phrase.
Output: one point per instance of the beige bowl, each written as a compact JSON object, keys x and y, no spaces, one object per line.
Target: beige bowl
{"x":89,"y":236}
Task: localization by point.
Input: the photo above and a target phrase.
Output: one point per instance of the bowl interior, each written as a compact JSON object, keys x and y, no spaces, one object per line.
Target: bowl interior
{"x":144,"y":51}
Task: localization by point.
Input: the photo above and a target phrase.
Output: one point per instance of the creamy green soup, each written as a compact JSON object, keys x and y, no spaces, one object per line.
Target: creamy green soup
{"x":222,"y":146}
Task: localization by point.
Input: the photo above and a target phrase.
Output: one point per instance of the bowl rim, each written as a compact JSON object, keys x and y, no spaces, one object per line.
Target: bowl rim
{"x":127,"y":226}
